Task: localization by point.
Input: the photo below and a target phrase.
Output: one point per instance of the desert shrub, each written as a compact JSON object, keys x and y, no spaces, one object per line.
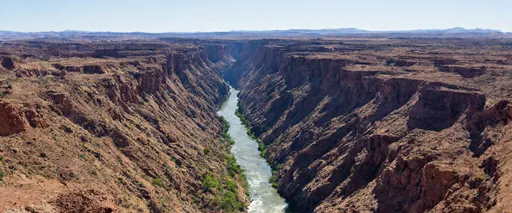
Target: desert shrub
{"x":158,"y":182}
{"x":233,"y":167}
{"x":244,"y":120}
{"x":246,"y":123}
{"x":262,"y":148}
{"x":224,"y":122}
{"x":225,"y":135}
{"x":230,"y":201}
{"x":225,"y":127}
{"x":231,"y":141}
{"x":230,"y":185}
{"x":273,"y":181}
{"x":211,"y":183}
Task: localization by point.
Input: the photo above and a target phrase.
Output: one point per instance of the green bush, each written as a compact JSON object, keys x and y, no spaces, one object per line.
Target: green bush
{"x":233,"y":167}
{"x":215,"y":201}
{"x":225,"y":127}
{"x":158,"y":182}
{"x":246,"y":123}
{"x":230,"y":185}
{"x":244,"y":120}
{"x":231,"y":141}
{"x":273,"y":181}
{"x":245,"y":183}
{"x":225,"y":135}
{"x":1,"y":176}
{"x":226,"y":192}
{"x":279,"y":166}
{"x":262,"y":148}
{"x":206,"y":150}
{"x":211,"y":183}
{"x":230,"y":201}
{"x":224,"y":122}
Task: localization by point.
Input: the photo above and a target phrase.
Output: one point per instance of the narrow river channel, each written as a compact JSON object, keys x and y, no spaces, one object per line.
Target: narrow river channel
{"x":264,"y":198}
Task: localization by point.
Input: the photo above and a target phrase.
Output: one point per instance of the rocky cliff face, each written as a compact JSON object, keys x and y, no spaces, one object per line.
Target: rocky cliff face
{"x":364,"y":126}
{"x":117,"y":127}
{"x":350,"y":124}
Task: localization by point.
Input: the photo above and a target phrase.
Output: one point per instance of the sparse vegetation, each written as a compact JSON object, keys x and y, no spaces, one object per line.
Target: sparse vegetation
{"x":224,"y":122}
{"x":230,"y":184}
{"x":245,"y":184}
{"x":119,"y":159}
{"x":272,"y":180}
{"x":225,"y":193}
{"x":230,"y":141}
{"x":233,"y":167}
{"x":158,"y":182}
{"x":225,"y":127}
{"x":261,"y":146}
{"x":245,"y":122}
{"x":230,"y":201}
{"x":211,"y":183}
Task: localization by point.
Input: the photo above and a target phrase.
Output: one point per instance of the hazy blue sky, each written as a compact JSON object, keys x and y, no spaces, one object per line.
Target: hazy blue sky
{"x":224,"y":15}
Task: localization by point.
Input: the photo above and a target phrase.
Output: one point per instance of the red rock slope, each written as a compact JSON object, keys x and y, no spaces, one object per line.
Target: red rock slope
{"x":110,"y":127}
{"x":383,"y":125}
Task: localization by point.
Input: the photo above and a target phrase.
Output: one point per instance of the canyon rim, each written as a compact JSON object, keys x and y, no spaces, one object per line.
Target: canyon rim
{"x":340,"y":122}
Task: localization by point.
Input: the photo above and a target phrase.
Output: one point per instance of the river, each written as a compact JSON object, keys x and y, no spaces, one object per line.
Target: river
{"x":264,"y":198}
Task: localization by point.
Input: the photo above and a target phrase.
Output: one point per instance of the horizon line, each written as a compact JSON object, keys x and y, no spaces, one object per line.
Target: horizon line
{"x":263,"y":30}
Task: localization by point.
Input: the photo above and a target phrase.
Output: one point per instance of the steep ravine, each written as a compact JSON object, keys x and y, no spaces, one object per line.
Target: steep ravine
{"x":264,"y":198}
{"x":381,"y":141}
{"x":114,"y":127}
{"x":131,"y":126}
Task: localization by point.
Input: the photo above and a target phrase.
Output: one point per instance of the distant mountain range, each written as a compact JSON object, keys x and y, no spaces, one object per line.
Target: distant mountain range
{"x":451,"y":32}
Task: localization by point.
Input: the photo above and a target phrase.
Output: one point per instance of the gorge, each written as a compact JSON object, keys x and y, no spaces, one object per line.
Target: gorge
{"x":348,"y":124}
{"x":264,"y":198}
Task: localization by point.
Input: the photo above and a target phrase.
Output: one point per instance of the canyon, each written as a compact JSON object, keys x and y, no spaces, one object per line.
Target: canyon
{"x":112,"y":127}
{"x":348,"y":124}
{"x":382,"y":125}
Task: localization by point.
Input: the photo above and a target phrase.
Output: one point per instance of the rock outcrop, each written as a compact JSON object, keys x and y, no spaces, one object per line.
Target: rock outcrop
{"x":12,"y":119}
{"x":7,"y":63}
